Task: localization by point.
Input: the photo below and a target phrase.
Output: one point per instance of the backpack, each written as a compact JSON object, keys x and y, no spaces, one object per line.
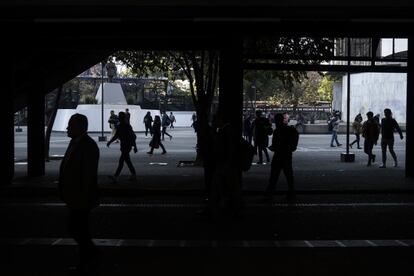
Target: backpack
{"x":167,"y":121}
{"x":330,"y":125}
{"x":247,"y":154}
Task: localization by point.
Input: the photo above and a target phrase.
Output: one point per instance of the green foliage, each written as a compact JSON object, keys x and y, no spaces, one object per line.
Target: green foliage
{"x":88,"y":99}
{"x":130,"y":100}
{"x":325,"y":89}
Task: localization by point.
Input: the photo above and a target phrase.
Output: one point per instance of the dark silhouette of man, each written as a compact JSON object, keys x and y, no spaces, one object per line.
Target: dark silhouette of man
{"x":284,"y":142}
{"x":127,"y":137}
{"x":370,"y":131}
{"x":261,"y":127}
{"x":148,"y":123}
{"x":78,"y":186}
{"x":165,"y":122}
{"x":388,"y":126}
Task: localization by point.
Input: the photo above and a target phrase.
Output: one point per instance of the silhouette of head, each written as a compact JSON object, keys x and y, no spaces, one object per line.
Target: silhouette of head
{"x":279,"y":119}
{"x":370,"y":115}
{"x":387,"y":113}
{"x":148,"y":113}
{"x":127,"y":110}
{"x":157,"y":118}
{"x":122,"y":117}
{"x":77,"y":125}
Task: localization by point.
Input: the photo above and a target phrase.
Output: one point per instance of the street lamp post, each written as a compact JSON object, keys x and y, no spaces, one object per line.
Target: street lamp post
{"x":102,"y":138}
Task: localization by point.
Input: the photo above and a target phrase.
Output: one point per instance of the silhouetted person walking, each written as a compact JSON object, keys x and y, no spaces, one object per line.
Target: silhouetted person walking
{"x":165,"y":122}
{"x":156,"y":136}
{"x":127,"y":136}
{"x":127,"y":116}
{"x":148,"y":123}
{"x":284,"y":142}
{"x":172,"y":120}
{"x":334,"y":122}
{"x":247,"y":128}
{"x":78,"y":187}
{"x":261,"y":129}
{"x":370,"y":131}
{"x":388,"y":126}
{"x":113,"y":123}
{"x":357,"y":127}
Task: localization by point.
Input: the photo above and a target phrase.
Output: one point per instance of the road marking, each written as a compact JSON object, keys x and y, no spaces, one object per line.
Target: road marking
{"x":309,"y":244}
{"x":401,"y":243}
{"x":213,"y":243}
{"x":341,"y":244}
{"x":198,"y":205}
{"x":57,"y":241}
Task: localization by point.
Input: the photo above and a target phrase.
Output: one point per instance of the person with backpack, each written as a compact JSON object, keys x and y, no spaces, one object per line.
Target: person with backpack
{"x":334,"y":128}
{"x":284,"y":143}
{"x":165,"y":122}
{"x":370,"y":131}
{"x":127,"y":137}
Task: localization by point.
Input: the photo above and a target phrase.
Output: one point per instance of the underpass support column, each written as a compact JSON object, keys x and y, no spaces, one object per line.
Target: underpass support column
{"x":409,"y":146}
{"x":231,"y":103}
{"x":7,"y":133}
{"x":36,"y":132}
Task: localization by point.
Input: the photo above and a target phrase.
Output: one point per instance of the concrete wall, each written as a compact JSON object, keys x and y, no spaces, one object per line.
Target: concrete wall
{"x":93,"y":112}
{"x":374,"y":92}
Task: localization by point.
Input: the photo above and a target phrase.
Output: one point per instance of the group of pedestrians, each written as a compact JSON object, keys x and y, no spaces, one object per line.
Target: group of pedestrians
{"x":370,"y":130}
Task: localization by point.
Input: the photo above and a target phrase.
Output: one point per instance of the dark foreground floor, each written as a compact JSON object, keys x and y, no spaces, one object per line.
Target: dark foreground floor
{"x":334,"y":234}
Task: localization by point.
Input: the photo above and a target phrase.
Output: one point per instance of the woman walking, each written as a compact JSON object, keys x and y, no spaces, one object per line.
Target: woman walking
{"x":357,"y":127}
{"x":156,"y":136}
{"x":127,"y":137}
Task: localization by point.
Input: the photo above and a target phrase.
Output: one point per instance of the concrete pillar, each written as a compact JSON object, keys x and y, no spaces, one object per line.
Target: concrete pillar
{"x":7,"y":133}
{"x":409,"y":149}
{"x":36,"y":133}
{"x":231,"y":82}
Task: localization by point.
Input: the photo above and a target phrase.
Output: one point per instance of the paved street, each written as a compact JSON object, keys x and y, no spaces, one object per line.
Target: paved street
{"x":347,"y":219}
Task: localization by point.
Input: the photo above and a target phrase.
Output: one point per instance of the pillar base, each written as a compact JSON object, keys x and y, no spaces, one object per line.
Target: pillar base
{"x":347,"y":157}
{"x":102,"y":138}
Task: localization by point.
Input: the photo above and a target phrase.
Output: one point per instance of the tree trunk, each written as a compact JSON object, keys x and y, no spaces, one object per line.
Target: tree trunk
{"x":50,"y":123}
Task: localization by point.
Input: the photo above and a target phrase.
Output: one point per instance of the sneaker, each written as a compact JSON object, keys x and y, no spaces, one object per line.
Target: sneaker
{"x":382,"y":166}
{"x":359,"y":148}
{"x":395,"y":164}
{"x":332,"y":146}
{"x":259,"y":163}
{"x":170,"y":138}
{"x":350,"y":145}
{"x":164,"y":152}
{"x":113,"y":178}
{"x":149,"y":152}
{"x":339,"y":145}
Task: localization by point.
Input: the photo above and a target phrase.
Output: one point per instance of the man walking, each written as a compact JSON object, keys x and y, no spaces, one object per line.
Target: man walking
{"x":284,"y":143}
{"x":334,"y":122}
{"x":172,"y":120}
{"x":148,"y":123}
{"x":388,"y":126}
{"x":165,"y":122}
{"x":78,"y":187}
{"x":370,"y":131}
